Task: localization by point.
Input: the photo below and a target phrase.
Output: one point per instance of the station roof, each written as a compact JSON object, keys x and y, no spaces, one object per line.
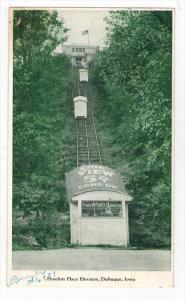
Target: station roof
{"x":88,"y":178}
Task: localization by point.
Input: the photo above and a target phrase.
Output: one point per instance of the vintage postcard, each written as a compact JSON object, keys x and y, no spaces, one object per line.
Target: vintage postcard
{"x":91,"y":147}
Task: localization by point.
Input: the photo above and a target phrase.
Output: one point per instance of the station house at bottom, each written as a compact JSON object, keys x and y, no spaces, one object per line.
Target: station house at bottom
{"x":98,"y":206}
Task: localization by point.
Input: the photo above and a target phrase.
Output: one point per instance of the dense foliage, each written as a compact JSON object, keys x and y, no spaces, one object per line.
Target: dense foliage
{"x":133,"y":112}
{"x":133,"y":75}
{"x":43,"y":142}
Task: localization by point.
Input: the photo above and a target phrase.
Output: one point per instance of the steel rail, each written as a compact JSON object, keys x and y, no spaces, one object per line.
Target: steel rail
{"x":82,"y":90}
{"x":94,"y":125}
{"x":87,"y":142}
{"x":77,"y":145}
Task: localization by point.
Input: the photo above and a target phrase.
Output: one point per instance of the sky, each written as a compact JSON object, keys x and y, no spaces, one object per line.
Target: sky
{"x":80,"y":20}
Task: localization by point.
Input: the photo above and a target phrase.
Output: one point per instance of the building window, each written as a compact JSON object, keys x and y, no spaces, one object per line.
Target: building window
{"x":81,"y":50}
{"x":73,"y":49}
{"x":101,"y":209}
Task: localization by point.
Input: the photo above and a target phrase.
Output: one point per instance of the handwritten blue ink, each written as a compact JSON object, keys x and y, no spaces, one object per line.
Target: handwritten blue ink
{"x":14,"y":279}
{"x":32,"y":278}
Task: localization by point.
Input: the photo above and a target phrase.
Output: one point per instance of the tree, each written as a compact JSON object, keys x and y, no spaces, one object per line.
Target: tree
{"x":134,"y":73}
{"x":43,"y":130}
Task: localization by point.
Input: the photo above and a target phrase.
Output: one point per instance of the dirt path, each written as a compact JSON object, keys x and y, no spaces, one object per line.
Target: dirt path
{"x":92,"y":259}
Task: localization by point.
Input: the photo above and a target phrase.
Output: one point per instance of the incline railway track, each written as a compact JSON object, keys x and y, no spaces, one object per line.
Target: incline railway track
{"x":88,"y":149}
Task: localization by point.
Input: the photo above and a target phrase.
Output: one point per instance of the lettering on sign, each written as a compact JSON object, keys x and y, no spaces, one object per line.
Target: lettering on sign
{"x":101,"y":208}
{"x":96,"y":175}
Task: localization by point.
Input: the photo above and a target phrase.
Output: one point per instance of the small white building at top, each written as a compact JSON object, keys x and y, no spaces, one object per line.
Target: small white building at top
{"x":79,"y":54}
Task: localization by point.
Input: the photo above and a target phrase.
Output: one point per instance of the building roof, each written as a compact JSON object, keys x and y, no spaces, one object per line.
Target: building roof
{"x":79,"y":45}
{"x":88,"y":178}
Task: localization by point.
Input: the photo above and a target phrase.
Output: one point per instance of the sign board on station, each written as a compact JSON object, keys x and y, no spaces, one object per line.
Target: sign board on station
{"x":94,"y":177}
